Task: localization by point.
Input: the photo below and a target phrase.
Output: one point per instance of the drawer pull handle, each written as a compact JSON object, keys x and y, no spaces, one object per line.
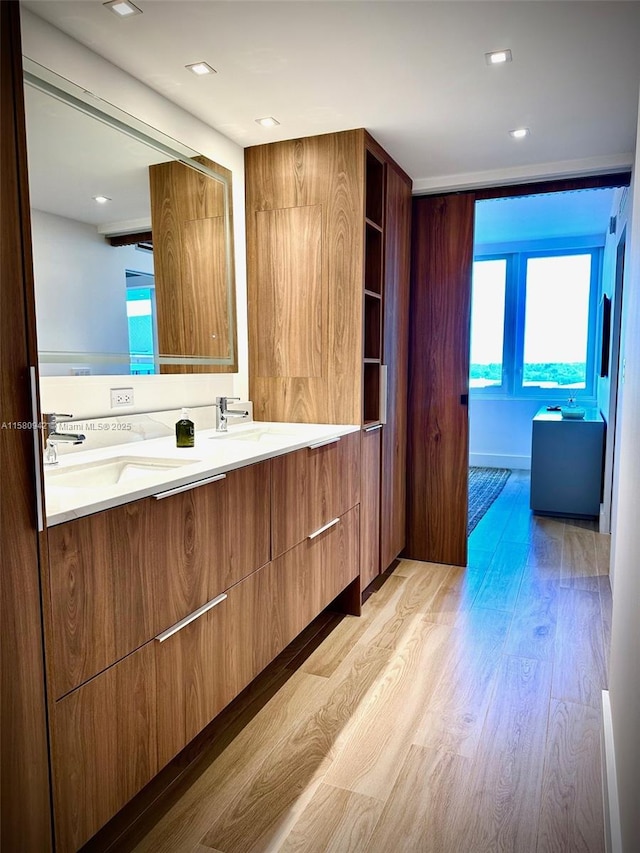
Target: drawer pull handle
{"x":323,"y":528}
{"x":324,"y":442}
{"x":373,"y":428}
{"x":191,"y":618}
{"x":189,"y":486}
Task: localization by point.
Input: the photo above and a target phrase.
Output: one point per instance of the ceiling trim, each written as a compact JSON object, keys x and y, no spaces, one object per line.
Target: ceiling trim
{"x":524,"y":174}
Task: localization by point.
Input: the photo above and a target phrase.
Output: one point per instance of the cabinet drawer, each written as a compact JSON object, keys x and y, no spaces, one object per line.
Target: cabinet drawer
{"x":104,"y":747}
{"x":317,"y":570}
{"x":198,"y":672}
{"x":310,"y":487}
{"x":122,"y":576}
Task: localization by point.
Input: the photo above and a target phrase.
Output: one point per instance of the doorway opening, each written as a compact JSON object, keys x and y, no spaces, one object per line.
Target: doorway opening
{"x":541,"y":267}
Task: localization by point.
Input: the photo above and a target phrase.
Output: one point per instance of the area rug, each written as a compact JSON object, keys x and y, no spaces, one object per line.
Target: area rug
{"x":485,"y":484}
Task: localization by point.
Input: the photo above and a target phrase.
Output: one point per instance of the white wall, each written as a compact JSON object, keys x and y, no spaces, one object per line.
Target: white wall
{"x":80,"y":285}
{"x":607,"y":386}
{"x":624,"y":681}
{"x":500,"y":432}
{"x":89,"y":396}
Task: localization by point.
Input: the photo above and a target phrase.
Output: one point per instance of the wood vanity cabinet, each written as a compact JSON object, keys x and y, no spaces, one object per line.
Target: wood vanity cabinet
{"x":163,"y":610}
{"x":195,"y":315}
{"x":328,"y":253}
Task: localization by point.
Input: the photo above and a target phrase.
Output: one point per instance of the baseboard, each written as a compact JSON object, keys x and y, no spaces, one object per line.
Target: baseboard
{"x":499,"y":460}
{"x":612,"y":827}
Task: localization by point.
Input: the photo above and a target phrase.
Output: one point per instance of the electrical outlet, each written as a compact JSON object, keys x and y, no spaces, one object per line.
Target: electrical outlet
{"x":121,"y":397}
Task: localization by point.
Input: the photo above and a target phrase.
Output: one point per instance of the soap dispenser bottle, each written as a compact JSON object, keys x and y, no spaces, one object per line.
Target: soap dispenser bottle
{"x":185,"y":431}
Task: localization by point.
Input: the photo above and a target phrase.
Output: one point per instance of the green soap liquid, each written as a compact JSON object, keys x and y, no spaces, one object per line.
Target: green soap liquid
{"x":185,"y":433}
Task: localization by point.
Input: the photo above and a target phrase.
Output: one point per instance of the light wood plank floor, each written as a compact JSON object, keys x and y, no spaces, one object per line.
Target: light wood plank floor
{"x":459,"y":714}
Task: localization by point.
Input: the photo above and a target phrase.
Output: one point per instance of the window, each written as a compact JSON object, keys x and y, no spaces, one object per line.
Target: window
{"x":488,"y":293}
{"x":533,"y":324}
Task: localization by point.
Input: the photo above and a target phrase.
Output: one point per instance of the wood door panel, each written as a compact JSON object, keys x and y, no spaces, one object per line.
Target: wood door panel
{"x":290,"y":340}
{"x":104,"y":747}
{"x":24,"y":770}
{"x":438,"y":429}
{"x":370,"y":507}
{"x":395,"y":356}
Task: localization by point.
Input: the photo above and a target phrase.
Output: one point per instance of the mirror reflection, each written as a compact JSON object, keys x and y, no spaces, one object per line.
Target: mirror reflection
{"x":132,"y":245}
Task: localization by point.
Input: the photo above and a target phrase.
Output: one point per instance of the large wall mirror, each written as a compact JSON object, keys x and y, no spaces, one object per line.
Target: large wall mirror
{"x":132,"y":241}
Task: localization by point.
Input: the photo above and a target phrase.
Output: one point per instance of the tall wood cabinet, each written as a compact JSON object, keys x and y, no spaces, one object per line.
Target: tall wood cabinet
{"x":328,"y":249}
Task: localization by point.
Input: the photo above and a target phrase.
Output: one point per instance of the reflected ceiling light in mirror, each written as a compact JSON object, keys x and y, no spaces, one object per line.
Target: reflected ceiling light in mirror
{"x":519,"y":133}
{"x":498,"y":57}
{"x":200,"y":69}
{"x":122,"y":8}
{"x":101,"y":199}
{"x":267,"y":121}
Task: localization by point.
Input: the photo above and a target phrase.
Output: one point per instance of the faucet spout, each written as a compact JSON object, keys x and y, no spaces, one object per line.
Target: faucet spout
{"x":52,"y":437}
{"x":223,"y":413}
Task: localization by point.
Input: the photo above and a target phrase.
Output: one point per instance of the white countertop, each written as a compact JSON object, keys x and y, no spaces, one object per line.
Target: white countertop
{"x":214,"y":453}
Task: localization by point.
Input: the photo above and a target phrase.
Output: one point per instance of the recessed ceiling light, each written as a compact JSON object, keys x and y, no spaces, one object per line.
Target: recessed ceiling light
{"x":201,"y":68}
{"x":267,"y":121}
{"x":519,"y":133}
{"x":498,"y":57}
{"x":101,"y":199}
{"x":123,"y":8}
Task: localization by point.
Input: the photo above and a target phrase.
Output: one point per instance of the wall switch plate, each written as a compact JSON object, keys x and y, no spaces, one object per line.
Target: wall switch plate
{"x":121,"y":397}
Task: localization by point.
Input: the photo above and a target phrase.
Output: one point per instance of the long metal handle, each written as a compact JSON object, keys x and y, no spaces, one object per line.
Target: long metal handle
{"x":36,"y":449}
{"x":384,"y":393}
{"x":323,"y":528}
{"x":191,"y":618}
{"x":188,"y":487}
{"x":373,"y":428}
{"x":324,"y":442}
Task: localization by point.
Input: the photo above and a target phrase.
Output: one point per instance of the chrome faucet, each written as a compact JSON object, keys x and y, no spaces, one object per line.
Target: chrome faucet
{"x":223,"y":413}
{"x":51,"y":436}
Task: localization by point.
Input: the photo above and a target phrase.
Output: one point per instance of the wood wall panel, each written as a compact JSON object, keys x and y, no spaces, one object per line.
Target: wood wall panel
{"x":438,"y":428}
{"x":105,"y":747}
{"x":325,"y":171}
{"x":396,"y":357}
{"x":24,"y":777}
{"x":290,"y":328}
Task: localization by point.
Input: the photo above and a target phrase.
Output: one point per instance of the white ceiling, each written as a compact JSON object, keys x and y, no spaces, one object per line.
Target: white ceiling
{"x":73,"y":158}
{"x":413,"y":73}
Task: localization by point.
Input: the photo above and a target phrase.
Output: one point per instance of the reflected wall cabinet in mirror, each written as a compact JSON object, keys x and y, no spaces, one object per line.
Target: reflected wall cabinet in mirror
{"x":132,"y":241}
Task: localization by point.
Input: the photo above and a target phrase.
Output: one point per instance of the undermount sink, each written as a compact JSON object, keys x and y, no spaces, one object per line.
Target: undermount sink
{"x":263,"y":433}
{"x":111,"y":472}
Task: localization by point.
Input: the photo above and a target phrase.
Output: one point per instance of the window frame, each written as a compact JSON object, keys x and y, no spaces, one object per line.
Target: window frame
{"x":514,"y":327}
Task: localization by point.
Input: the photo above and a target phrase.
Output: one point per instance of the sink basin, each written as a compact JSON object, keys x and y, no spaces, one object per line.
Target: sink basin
{"x":110,"y":472}
{"x":264,"y":433}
